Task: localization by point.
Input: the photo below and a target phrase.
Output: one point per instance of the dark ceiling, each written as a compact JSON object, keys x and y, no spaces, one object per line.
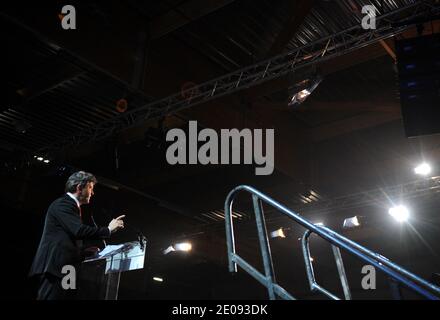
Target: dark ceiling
{"x":346,"y":140}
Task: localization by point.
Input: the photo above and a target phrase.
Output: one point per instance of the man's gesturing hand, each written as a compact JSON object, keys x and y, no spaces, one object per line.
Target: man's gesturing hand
{"x":116,"y":224}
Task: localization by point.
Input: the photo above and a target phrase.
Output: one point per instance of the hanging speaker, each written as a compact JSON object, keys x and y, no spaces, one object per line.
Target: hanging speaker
{"x":418,"y":63}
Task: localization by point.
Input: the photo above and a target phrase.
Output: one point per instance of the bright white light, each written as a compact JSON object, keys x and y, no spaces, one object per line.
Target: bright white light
{"x":40,"y":158}
{"x":352,"y":222}
{"x":46,"y":161}
{"x":319,"y":224}
{"x":157,"y":279}
{"x":168,"y":250}
{"x":278,"y":233}
{"x":303,"y":94}
{"x":184,"y":246}
{"x":311,"y":259}
{"x":300,"y":96}
{"x":423,"y":169}
{"x":400,"y":213}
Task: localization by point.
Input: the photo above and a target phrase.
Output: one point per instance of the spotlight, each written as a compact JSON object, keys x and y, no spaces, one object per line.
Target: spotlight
{"x":302,"y":95}
{"x":350,"y":223}
{"x":158,"y":279}
{"x":42,"y":159}
{"x":423,"y":169}
{"x":400,"y":213}
{"x":183,"y":246}
{"x":169,"y":249}
{"x":279,"y":233}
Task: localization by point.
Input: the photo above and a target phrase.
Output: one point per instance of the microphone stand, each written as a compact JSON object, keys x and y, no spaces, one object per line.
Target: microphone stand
{"x":140,"y":235}
{"x":93,"y":220}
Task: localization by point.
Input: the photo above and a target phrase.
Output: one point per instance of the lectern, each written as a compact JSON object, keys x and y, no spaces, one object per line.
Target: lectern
{"x":112,"y":261}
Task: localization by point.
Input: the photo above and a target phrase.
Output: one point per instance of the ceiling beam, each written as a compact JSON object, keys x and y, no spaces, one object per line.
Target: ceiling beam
{"x":188,"y":12}
{"x":388,"y":49}
{"x":298,"y":11}
{"x":250,"y":76}
{"x":348,"y":60}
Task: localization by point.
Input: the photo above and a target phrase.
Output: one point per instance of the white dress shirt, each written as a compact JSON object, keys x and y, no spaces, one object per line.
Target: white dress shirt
{"x":74,"y":198}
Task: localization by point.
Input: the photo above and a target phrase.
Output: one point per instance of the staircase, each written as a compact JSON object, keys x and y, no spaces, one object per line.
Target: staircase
{"x":396,"y":273}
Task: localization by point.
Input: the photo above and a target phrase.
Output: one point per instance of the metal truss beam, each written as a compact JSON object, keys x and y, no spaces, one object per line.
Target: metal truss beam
{"x":412,"y":189}
{"x":387,"y":25}
{"x":409,"y":190}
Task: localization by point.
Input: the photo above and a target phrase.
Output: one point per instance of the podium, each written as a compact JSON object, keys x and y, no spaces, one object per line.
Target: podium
{"x":112,"y":261}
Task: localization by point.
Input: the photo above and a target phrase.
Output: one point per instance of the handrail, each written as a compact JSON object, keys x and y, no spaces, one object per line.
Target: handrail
{"x":394,"y":271}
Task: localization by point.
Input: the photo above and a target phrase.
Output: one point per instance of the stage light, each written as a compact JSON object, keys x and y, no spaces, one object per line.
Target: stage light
{"x":352,"y":222}
{"x":400,"y":213}
{"x":42,"y":159}
{"x":169,"y":249}
{"x":183,"y":246}
{"x":279,"y":233}
{"x":300,"y":96}
{"x":157,"y":279}
{"x":423,"y":169}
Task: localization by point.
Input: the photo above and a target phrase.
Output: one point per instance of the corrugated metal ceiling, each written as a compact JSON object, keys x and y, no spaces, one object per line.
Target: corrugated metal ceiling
{"x":52,"y":93}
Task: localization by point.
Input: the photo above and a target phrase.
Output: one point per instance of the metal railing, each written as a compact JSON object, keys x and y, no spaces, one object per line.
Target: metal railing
{"x":392,"y":270}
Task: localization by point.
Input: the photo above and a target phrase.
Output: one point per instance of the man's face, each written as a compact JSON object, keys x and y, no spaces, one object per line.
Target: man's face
{"x":86,"y":193}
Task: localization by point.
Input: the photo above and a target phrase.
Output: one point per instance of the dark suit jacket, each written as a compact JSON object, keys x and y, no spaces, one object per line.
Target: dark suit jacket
{"x":62,"y":230}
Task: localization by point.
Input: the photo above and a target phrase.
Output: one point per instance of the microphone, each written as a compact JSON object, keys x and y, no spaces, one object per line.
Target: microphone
{"x":140,"y":235}
{"x":93,"y":220}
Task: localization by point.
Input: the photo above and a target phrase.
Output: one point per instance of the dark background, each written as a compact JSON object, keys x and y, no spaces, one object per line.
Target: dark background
{"x":345,"y":141}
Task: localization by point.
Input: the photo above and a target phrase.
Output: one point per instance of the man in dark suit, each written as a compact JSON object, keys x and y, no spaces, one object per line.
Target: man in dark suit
{"x":62,"y":237}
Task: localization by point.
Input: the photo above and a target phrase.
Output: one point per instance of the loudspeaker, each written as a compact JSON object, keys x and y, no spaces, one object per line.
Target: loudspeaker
{"x":418,"y":64}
